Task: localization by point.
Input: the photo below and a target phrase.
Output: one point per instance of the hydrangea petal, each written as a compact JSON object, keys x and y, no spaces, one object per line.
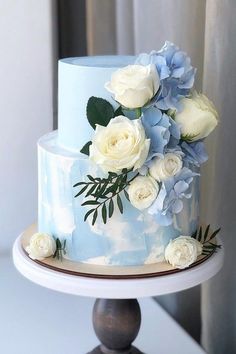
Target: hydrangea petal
{"x":195,"y":153}
{"x":180,"y":187}
{"x":159,"y":202}
{"x":175,"y":72}
{"x":169,"y":199}
{"x":175,"y":134}
{"x":177,"y":206}
{"x":156,"y":125}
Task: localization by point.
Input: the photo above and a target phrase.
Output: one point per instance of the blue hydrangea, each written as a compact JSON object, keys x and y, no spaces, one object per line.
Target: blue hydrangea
{"x":161,"y":130}
{"x":176,"y":74}
{"x":175,"y":134}
{"x":156,"y":125}
{"x":195,"y":153}
{"x":169,"y":200}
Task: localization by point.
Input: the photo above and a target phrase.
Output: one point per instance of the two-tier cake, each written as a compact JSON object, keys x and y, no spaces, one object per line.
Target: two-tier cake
{"x":119,"y":180}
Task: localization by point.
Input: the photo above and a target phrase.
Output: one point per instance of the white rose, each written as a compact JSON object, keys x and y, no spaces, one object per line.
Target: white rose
{"x":142,"y":192}
{"x":198,"y":117}
{"x":163,"y":168}
{"x":41,"y":246}
{"x":134,"y":85}
{"x":121,"y":144}
{"x":182,"y":251}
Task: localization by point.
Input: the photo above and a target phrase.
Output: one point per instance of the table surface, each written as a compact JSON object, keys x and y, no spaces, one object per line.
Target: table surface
{"x":115,"y":288}
{"x":44,"y":321}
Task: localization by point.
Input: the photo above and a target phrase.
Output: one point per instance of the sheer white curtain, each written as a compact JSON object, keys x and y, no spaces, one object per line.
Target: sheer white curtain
{"x":218,"y":295}
{"x":28,"y":53}
{"x":206,"y":29}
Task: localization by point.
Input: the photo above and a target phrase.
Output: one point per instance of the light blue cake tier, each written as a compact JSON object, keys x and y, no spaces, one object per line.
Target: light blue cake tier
{"x":78,"y":80}
{"x":133,"y":238}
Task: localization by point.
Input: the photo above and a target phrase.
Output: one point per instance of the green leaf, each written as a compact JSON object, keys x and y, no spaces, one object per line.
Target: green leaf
{"x":85,"y":148}
{"x":88,"y":213}
{"x":214,"y":245}
{"x":102,"y":197}
{"x":189,"y":137}
{"x":90,"y":202}
{"x":194,"y":235}
{"x":104,"y":213}
{"x":126,"y":195}
{"x":81,"y":191}
{"x":200,"y":234}
{"x":100,"y":192}
{"x":111,"y":189}
{"x":214,"y":234}
{"x":211,"y":248}
{"x":91,"y":190}
{"x":118,"y":112}
{"x":60,"y":249}
{"x":119,"y":203}
{"x":97,"y":179}
{"x":208,"y":247}
{"x":112,"y":174}
{"x":138,"y":112}
{"x":99,"y":111}
{"x":79,"y":184}
{"x":90,"y":178}
{"x":115,"y":186}
{"x":206,"y":253}
{"x":95,"y":215}
{"x":206,"y":233}
{"x":124,"y":178}
{"x":122,"y":184}
{"x":111,"y":208}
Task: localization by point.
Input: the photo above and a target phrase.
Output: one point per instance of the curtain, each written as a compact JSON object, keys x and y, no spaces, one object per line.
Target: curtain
{"x":205,"y":29}
{"x":72,"y":28}
{"x":218,"y":295}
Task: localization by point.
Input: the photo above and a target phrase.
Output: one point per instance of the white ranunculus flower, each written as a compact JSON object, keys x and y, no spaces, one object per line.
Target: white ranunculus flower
{"x":198,"y":118}
{"x":121,"y":144}
{"x":41,"y":246}
{"x":134,"y":85}
{"x":142,"y":192}
{"x":182,"y":251}
{"x":163,"y":168}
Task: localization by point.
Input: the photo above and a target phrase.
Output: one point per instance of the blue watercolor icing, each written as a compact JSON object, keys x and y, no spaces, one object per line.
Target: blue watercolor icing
{"x":78,"y":80}
{"x":133,"y":238}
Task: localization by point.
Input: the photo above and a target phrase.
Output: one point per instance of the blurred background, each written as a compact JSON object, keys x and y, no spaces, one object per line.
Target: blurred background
{"x":35,"y":34}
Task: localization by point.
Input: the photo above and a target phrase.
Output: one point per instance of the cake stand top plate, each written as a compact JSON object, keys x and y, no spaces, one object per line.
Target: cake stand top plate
{"x":115,"y":288}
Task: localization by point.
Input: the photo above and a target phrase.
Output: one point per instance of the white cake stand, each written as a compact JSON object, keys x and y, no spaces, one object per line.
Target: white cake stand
{"x":116,"y":313}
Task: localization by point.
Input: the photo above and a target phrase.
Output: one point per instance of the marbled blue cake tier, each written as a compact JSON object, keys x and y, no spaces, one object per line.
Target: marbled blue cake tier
{"x":133,"y":238}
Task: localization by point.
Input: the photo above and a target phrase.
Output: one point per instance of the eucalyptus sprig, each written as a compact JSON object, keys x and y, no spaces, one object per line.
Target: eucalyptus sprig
{"x":105,"y":194}
{"x":60,"y":249}
{"x":206,"y":239}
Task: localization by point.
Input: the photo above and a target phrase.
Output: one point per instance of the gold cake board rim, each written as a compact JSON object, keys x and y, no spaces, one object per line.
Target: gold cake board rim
{"x":70,"y":267}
